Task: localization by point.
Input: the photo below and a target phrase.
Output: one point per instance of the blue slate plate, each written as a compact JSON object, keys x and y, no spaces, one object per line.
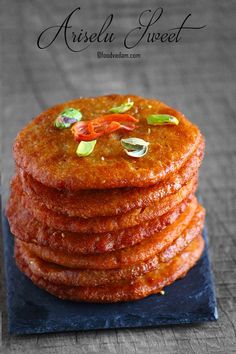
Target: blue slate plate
{"x":32,"y":310}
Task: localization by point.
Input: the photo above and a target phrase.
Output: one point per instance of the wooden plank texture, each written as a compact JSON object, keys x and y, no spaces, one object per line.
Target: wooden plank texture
{"x":196,"y":76}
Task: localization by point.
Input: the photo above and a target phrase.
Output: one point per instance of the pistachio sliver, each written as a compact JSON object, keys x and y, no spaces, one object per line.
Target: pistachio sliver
{"x":122,"y":108}
{"x":85,"y":148}
{"x":135,"y":147}
{"x":162,"y":119}
{"x":68,"y":117}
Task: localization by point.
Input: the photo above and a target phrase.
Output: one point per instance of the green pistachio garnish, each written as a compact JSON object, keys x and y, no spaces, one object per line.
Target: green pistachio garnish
{"x":68,"y":117}
{"x":135,"y":147}
{"x":122,"y":108}
{"x":162,"y":119}
{"x":85,"y":148}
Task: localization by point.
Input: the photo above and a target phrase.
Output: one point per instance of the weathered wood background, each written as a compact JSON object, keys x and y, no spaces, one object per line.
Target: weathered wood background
{"x":196,"y":76}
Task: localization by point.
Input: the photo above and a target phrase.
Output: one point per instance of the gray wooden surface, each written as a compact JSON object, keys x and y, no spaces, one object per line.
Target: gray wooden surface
{"x":196,"y":76}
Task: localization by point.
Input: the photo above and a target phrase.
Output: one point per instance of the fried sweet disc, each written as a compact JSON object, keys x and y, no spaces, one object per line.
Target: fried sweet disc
{"x":151,"y":283}
{"x":48,"y":154}
{"x":91,"y":203}
{"x":103,"y":223}
{"x":79,"y":277}
{"x":186,"y":223}
{"x":29,"y":229}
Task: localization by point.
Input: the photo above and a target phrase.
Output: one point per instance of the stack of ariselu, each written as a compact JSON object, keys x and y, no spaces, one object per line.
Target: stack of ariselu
{"x":102,"y":206}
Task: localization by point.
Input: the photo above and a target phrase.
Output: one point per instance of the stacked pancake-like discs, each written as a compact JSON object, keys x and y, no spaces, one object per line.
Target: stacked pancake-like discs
{"x":106,"y":227}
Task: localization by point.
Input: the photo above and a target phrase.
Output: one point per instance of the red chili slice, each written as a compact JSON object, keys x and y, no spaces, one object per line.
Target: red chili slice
{"x":92,"y":129}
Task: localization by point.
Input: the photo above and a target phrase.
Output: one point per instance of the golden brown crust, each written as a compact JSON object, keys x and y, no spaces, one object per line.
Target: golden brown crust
{"x":91,"y":203}
{"x":150,"y":283}
{"x":48,"y":154}
{"x":103,"y":223}
{"x":189,"y":222}
{"x":29,"y":229}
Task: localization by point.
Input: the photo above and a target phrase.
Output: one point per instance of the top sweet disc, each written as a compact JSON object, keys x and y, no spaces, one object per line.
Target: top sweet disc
{"x":48,"y":153}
